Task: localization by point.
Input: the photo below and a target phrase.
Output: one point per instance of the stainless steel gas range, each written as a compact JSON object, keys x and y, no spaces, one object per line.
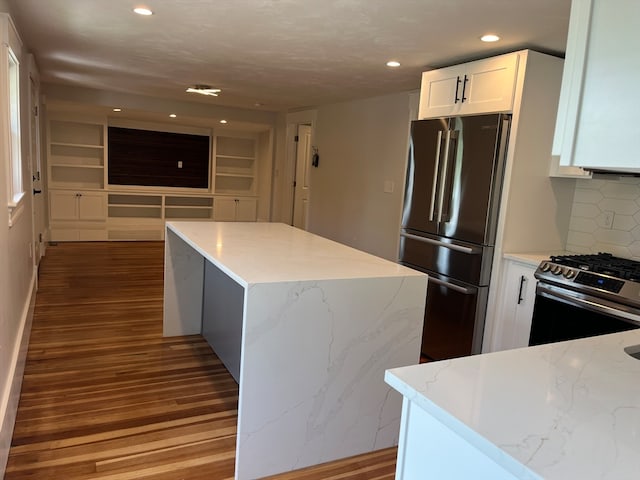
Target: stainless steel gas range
{"x":584,"y":295}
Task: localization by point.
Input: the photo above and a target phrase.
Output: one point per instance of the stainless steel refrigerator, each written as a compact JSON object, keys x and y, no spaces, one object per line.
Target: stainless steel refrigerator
{"x":454,"y":181}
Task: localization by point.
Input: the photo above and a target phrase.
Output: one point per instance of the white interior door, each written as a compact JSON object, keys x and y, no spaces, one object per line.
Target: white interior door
{"x":38,"y":204}
{"x":301,"y":186}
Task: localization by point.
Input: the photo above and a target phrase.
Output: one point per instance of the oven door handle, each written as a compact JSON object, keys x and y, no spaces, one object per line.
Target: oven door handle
{"x":587,"y":302}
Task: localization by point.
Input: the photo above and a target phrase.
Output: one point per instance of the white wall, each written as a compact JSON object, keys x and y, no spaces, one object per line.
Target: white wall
{"x":362,"y":144}
{"x":17,"y":272}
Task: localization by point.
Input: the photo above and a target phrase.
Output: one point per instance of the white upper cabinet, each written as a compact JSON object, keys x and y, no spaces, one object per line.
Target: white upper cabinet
{"x":483,"y":86}
{"x":599,"y":102}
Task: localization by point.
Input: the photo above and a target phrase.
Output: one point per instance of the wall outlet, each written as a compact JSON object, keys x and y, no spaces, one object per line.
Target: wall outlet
{"x":608,"y":219}
{"x":389,"y":186}
{"x":179,"y":163}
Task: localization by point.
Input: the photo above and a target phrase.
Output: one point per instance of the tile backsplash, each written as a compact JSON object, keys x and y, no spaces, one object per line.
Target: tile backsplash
{"x":606,"y":217}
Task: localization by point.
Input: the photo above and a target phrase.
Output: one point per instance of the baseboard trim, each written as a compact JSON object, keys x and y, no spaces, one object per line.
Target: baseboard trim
{"x":11,"y":395}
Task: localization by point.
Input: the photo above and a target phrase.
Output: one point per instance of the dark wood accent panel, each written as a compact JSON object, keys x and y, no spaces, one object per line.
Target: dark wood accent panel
{"x":105,"y":396}
{"x":150,"y":158}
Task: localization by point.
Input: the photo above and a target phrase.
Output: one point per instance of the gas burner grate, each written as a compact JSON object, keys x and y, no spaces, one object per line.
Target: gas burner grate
{"x":603,"y":263}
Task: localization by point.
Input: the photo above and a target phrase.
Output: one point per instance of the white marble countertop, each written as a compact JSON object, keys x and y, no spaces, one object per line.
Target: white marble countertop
{"x":253,"y":253}
{"x":532,"y":258}
{"x":565,"y":411}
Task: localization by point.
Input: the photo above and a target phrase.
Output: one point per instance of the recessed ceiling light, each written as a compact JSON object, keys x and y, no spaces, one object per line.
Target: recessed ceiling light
{"x":393,"y":63}
{"x":257,"y":104}
{"x":204,"y":90}
{"x":172,"y":115}
{"x":490,"y":37}
{"x":142,"y":11}
{"x":223,"y":121}
{"x":117,"y":109}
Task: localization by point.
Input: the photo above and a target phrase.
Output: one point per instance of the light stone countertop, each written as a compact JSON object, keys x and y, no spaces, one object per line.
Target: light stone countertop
{"x":309,"y":336}
{"x":532,"y":258}
{"x":565,"y":410}
{"x":253,"y":253}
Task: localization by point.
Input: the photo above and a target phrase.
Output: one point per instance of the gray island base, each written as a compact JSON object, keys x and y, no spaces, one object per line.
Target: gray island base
{"x":306,"y":326}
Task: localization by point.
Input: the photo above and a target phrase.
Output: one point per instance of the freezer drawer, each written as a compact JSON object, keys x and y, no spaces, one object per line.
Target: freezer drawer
{"x":465,"y":262}
{"x":454,"y":319}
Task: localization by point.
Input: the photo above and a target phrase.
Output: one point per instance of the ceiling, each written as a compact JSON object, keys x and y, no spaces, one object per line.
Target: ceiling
{"x":274,"y":54}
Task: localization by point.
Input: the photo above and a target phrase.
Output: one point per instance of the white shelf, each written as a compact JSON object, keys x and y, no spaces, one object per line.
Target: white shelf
{"x":70,"y":132}
{"x":80,"y":145}
{"x":144,"y":206}
{"x":76,"y":154}
{"x":134,"y":211}
{"x":235,"y":157}
{"x":74,"y":165}
{"x":239,"y":175}
{"x":188,"y":201}
{"x":235,"y":165}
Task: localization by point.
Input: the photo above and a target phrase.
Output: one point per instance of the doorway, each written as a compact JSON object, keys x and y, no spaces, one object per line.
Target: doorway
{"x":38,"y":204}
{"x":301,"y":184}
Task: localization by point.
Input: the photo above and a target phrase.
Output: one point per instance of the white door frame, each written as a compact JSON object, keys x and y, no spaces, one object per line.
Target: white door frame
{"x":306,"y":117}
{"x":38,"y":220}
{"x":302,"y":176}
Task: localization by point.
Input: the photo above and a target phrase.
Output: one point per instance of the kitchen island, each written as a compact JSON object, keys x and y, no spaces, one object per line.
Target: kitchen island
{"x":306,"y":326}
{"x":558,"y":411}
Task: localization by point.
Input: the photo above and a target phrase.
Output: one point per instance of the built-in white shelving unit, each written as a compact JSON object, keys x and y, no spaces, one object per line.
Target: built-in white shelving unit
{"x":83,"y":206}
{"x":235,"y":165}
{"x":76,"y":154}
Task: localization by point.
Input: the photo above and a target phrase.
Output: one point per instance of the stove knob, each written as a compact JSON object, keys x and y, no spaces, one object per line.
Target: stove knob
{"x":557,"y":270}
{"x":569,"y":274}
{"x":545,"y":267}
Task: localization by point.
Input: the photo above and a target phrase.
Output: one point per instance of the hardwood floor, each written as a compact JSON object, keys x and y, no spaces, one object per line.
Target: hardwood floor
{"x":105,"y":396}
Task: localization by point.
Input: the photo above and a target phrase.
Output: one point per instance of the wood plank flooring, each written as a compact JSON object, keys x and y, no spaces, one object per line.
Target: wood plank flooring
{"x":105,"y":396}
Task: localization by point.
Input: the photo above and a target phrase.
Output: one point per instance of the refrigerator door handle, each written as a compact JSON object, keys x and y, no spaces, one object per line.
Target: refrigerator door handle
{"x":443,"y":183}
{"x":432,"y":205}
{"x":450,"y":246}
{"x":457,"y":288}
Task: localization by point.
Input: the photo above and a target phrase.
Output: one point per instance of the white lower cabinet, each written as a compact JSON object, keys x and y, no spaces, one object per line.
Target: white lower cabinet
{"x":72,"y":205}
{"x":430,"y":447}
{"x":516,"y":306}
{"x":235,"y":209}
{"x":77,"y":215}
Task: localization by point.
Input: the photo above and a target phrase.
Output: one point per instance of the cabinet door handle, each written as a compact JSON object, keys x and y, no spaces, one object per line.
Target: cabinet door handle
{"x":458,"y":82}
{"x":523,"y":279}
{"x":36,"y":192}
{"x":464,"y":88}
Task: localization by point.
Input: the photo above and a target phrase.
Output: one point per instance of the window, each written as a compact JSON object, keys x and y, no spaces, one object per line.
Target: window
{"x":16,"y":190}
